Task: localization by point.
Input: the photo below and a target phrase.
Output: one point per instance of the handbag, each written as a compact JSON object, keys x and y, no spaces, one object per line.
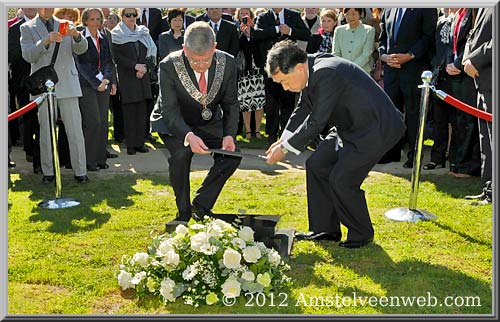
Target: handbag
{"x":35,"y":83}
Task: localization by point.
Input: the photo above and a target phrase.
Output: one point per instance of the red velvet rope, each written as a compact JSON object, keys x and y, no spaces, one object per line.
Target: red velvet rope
{"x":28,"y":107}
{"x":466,"y":108}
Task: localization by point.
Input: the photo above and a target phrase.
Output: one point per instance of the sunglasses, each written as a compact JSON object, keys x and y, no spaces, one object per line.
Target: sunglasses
{"x":131,"y":14}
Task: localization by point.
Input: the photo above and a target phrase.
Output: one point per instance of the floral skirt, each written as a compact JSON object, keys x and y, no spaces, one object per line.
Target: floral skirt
{"x":251,"y":92}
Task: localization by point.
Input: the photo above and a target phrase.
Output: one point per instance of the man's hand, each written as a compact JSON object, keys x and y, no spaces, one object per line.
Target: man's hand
{"x":274,"y":153}
{"x":197,"y":145}
{"x":470,"y":69}
{"x":53,"y":36}
{"x":113,"y":89}
{"x":452,"y":70}
{"x":284,"y":29}
{"x":228,"y":143}
{"x":73,"y":31}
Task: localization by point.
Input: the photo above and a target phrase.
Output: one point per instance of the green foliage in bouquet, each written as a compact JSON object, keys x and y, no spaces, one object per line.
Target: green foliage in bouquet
{"x":206,"y":262}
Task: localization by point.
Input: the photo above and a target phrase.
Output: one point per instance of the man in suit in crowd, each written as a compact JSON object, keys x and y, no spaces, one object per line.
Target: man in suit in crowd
{"x":20,"y":70}
{"x":38,"y":39}
{"x":151,"y":18}
{"x":477,"y":64}
{"x":226,"y":33}
{"x":206,"y":16}
{"x":197,"y":109}
{"x":271,"y":26}
{"x":363,"y":123}
{"x":406,"y":46}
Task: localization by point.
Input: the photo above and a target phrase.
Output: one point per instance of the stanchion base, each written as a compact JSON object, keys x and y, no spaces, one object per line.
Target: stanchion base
{"x":405,"y":214}
{"x":59,"y":203}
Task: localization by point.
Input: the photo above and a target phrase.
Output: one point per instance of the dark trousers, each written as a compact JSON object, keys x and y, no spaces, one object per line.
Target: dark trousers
{"x":406,"y":97}
{"x":467,"y":159}
{"x":115,"y":106}
{"x":150,"y":103}
{"x":134,"y":121}
{"x":334,"y":195}
{"x":485,"y":136}
{"x":94,"y":109}
{"x":31,"y":130}
{"x":180,"y":165}
{"x":279,"y":106}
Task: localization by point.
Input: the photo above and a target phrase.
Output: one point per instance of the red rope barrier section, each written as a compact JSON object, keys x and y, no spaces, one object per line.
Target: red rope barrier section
{"x":464,"y":107}
{"x":28,"y":107}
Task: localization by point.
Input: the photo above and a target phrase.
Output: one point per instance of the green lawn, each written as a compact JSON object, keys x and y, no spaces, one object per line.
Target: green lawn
{"x":64,"y":261}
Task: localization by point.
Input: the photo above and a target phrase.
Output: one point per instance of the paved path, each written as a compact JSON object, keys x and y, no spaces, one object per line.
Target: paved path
{"x":156,"y":161}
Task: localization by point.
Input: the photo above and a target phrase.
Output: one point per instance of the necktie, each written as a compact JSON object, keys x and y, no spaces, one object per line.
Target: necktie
{"x":144,"y":19}
{"x":202,"y":83}
{"x":48,"y":25}
{"x":399,"y":17}
{"x":216,"y":29}
{"x":278,"y":20}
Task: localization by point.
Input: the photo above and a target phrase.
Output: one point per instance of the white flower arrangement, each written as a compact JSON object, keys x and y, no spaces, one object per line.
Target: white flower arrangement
{"x":204,"y":263}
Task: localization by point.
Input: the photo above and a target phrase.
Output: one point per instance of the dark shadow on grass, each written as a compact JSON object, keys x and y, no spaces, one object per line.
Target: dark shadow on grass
{"x":462,"y":234}
{"x":115,"y":191}
{"x":401,"y":279}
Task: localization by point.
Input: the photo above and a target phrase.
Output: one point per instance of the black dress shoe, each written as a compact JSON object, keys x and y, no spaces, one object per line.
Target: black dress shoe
{"x":82,"y":179}
{"x":318,"y":236}
{"x":199,"y":212}
{"x":131,"y":151}
{"x":47,"y":179}
{"x":183,"y":216}
{"x":103,"y":166}
{"x":142,"y":149}
{"x":110,"y":155}
{"x":355,"y":243}
{"x":92,"y":168}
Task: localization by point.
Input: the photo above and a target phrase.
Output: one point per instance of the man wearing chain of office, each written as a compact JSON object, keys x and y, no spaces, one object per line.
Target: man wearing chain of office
{"x":197,"y":109}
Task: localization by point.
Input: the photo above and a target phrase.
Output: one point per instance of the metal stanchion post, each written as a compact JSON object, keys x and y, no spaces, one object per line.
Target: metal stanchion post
{"x":412,"y":214}
{"x":58,"y":202}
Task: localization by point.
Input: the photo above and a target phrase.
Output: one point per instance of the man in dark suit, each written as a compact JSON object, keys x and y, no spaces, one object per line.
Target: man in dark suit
{"x":20,"y":70}
{"x":206,"y":16}
{"x":197,"y":109}
{"x":271,"y":26}
{"x":151,"y":18}
{"x":363,"y":123}
{"x":226,"y":33}
{"x":406,"y":46}
{"x":477,"y":64}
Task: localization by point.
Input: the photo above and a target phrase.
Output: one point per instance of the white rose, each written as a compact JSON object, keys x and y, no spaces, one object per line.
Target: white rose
{"x":246,"y":233}
{"x":239,"y":242}
{"x":248,"y":276}
{"x":124,"y":279}
{"x":166,"y":288}
{"x":274,"y":258}
{"x":224,"y":226}
{"x":199,"y":240}
{"x":231,"y":258}
{"x":171,"y":259}
{"x":215,"y":231}
{"x":231,"y":288}
{"x":251,"y":254}
{"x":138,"y":278}
{"x":165,"y":247}
{"x":181,"y":230}
{"x":141,"y":259}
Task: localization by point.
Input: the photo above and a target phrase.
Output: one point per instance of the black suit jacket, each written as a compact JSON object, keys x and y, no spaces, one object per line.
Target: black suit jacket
{"x":478,"y":50}
{"x":370,"y":122}
{"x":206,"y":18}
{"x":416,"y":35}
{"x":265,"y":31}
{"x":227,"y":38}
{"x":20,"y":68}
{"x":154,"y":24}
{"x":177,"y":113}
{"x":88,"y":62}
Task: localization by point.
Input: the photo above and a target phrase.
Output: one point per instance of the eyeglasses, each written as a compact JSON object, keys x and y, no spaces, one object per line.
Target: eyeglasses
{"x":131,"y":14}
{"x":200,"y":62}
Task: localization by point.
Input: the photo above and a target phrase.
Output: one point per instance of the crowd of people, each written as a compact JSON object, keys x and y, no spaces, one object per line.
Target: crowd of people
{"x":109,"y":60}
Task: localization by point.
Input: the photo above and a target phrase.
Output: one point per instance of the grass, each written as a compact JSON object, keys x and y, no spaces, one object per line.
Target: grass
{"x":64,"y":261}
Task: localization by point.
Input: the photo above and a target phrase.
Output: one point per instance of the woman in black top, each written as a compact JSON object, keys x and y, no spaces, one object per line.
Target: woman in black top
{"x":171,"y":40}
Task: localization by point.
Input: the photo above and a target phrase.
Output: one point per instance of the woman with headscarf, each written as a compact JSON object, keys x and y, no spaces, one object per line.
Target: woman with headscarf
{"x":134,"y":52}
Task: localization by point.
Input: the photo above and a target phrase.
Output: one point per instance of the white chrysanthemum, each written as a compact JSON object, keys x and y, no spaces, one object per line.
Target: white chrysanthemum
{"x":251,"y":254}
{"x":274,"y":258}
{"x":124,"y":279}
{"x":198,"y":240}
{"x":166,"y":288}
{"x":208,"y":249}
{"x":171,"y":259}
{"x":239,"y":242}
{"x":181,"y":230}
{"x":231,"y":258}
{"x":246,"y":233}
{"x":165,"y":247}
{"x":141,"y":259}
{"x":248,"y":276}
{"x":189,"y":273}
{"x":138,"y":277}
{"x":231,"y":288}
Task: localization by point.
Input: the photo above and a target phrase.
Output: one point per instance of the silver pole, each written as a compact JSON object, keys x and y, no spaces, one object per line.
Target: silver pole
{"x":58,"y":202}
{"x":412,"y":214}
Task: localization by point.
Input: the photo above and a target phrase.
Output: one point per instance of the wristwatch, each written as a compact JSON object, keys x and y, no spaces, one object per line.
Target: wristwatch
{"x":412,"y":55}
{"x":283,"y":149}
